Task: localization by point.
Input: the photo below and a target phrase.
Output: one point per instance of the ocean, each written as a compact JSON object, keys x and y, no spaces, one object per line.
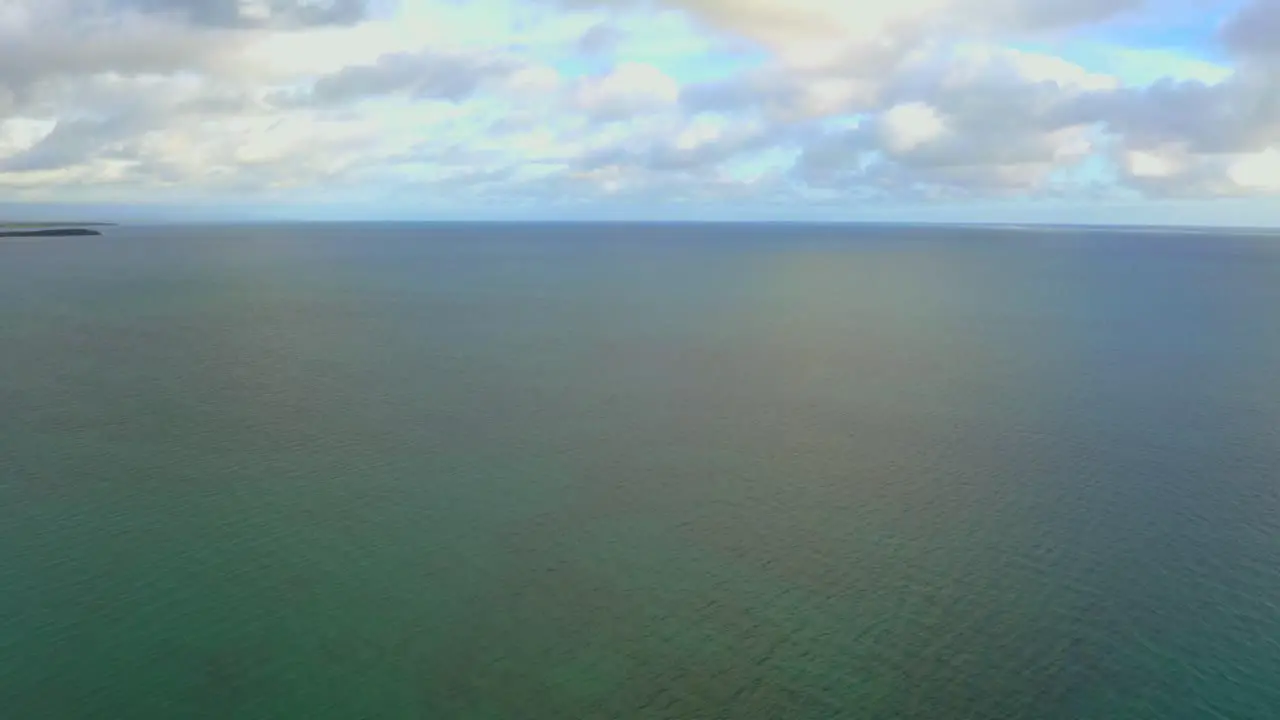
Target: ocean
{"x":685,"y":472}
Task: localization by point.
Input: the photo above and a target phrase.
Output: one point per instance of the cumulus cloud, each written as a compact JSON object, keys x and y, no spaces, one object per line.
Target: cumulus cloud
{"x":669,"y":102}
{"x":907,"y":127}
{"x":974,"y":119}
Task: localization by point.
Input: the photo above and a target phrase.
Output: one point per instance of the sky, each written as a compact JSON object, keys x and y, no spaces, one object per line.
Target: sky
{"x":1092,"y":111}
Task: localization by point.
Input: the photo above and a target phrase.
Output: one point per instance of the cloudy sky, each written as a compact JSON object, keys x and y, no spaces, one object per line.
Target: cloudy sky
{"x":972,"y":110}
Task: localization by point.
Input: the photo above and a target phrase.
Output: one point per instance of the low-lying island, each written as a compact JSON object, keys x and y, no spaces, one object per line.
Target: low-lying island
{"x":45,"y":230}
{"x":64,"y":232}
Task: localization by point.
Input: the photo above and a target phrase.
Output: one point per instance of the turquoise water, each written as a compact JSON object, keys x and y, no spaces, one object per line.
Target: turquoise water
{"x":392,"y":471}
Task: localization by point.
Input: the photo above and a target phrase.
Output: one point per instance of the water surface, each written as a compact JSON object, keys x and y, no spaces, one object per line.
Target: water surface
{"x":398,"y":471}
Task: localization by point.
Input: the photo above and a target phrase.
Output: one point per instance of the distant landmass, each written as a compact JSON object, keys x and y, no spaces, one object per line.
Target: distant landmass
{"x":55,"y":232}
{"x":46,"y":229}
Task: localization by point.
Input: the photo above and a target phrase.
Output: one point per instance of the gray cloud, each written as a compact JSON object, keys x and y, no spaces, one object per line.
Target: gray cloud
{"x":601,"y":39}
{"x":129,"y":50}
{"x":78,"y":38}
{"x":1239,"y":115}
{"x":977,"y":123}
{"x":954,"y":128}
{"x":798,"y":19}
{"x":853,"y":80}
{"x":1036,"y":15}
{"x":108,"y":117}
{"x":426,"y":75}
{"x":261,"y":13}
{"x":1255,"y":30}
{"x":767,"y":92}
{"x":72,"y":142}
{"x":854,"y":165}
{"x":668,"y":155}
{"x":49,"y":43}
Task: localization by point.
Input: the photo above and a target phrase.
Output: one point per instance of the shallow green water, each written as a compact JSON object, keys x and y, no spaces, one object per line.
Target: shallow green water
{"x":665,"y":472}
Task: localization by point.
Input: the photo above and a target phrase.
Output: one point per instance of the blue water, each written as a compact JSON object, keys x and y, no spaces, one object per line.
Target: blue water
{"x":662,"y":471}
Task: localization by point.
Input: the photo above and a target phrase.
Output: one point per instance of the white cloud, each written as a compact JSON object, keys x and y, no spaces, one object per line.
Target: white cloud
{"x":629,"y":89}
{"x":906,"y":127}
{"x":1257,"y":171}
{"x":700,"y":132}
{"x":1158,"y":163}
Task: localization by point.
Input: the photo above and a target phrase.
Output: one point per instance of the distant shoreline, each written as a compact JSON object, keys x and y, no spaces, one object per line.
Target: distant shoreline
{"x":48,"y":232}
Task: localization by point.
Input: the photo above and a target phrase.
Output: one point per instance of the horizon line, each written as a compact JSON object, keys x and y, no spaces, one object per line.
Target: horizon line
{"x":647,"y":222}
